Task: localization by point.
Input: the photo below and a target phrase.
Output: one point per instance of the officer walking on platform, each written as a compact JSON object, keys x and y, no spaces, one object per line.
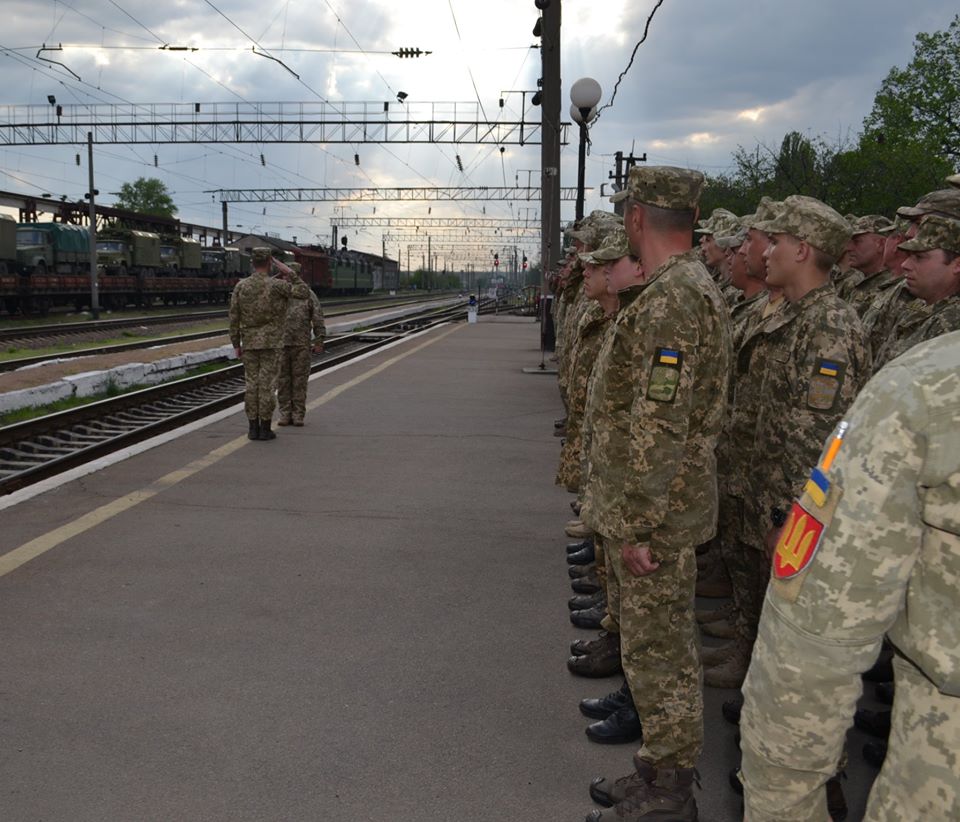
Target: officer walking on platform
{"x":304,"y":322}
{"x":258,"y":307}
{"x":871,"y":548}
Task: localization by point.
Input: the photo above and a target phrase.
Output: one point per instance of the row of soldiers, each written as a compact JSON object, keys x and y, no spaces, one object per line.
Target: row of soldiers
{"x":276,"y":322}
{"x":700,"y":387}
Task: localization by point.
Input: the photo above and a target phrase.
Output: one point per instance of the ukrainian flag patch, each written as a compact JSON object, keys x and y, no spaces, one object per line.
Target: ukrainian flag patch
{"x":817,"y":488}
{"x":665,"y":373}
{"x":825,"y":384}
{"x":829,"y":369}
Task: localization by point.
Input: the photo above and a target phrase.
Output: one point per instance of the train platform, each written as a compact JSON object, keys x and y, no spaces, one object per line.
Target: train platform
{"x":364,"y":619}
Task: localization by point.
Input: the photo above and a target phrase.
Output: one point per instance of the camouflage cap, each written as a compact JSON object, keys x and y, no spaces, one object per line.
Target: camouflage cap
{"x":716,"y":218}
{"x":944,"y":201}
{"x":812,"y":221}
{"x":294,"y":267}
{"x":871,"y":224}
{"x":614,"y":246}
{"x":935,"y":232}
{"x":767,"y":209}
{"x":663,"y":187}
{"x":596,"y":226}
{"x":954,"y":180}
{"x":733,"y":239}
{"x":261,"y":254}
{"x":899,"y":225}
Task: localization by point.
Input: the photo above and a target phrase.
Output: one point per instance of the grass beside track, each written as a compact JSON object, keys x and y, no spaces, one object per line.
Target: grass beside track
{"x":31,"y":413}
{"x":125,"y":336}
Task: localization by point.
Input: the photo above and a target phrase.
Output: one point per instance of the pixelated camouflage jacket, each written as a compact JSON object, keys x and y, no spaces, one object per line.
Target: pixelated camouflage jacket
{"x":590,"y":334}
{"x":887,"y":562}
{"x":845,"y":281}
{"x":656,"y":404}
{"x":866,"y":291}
{"x":743,"y":314}
{"x":571,"y":298}
{"x":304,"y":320}
{"x":258,"y":306}
{"x":815,"y":361}
{"x":736,"y":451}
{"x":885,"y":311}
{"x":919,"y":325}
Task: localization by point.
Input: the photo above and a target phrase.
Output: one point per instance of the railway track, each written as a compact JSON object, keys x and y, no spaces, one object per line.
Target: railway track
{"x":75,"y":330}
{"x":43,"y":447}
{"x":22,"y":362}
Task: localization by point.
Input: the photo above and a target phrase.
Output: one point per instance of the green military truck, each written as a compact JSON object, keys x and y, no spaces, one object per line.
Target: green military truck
{"x":122,"y":251}
{"x":179,"y":254}
{"x":52,"y":248}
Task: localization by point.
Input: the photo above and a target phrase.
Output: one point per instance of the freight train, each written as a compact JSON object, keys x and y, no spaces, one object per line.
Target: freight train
{"x":43,"y":265}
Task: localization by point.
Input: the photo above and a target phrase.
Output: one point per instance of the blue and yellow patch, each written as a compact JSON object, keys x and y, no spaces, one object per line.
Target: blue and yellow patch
{"x":665,"y":373}
{"x":829,"y":369}
{"x":825,"y":383}
{"x":817,"y":487}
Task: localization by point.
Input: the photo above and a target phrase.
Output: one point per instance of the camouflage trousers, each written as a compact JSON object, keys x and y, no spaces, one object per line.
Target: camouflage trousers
{"x":260,"y":369}
{"x":609,"y":622}
{"x":748,"y":566}
{"x":659,"y":649}
{"x":568,"y":472}
{"x":292,"y":385}
{"x":919,"y":778}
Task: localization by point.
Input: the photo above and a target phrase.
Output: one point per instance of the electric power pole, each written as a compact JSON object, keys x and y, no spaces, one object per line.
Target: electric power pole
{"x":549,"y":158}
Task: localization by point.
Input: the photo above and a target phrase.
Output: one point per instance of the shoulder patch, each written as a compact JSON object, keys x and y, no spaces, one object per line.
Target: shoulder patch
{"x":665,"y":375}
{"x":825,"y":384}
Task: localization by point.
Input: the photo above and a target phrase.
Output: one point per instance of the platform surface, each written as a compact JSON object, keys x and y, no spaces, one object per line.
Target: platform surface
{"x":363,"y":620}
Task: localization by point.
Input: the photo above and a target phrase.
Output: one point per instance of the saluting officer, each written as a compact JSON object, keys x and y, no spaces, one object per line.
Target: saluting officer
{"x":258,"y":306}
{"x":303,"y":331}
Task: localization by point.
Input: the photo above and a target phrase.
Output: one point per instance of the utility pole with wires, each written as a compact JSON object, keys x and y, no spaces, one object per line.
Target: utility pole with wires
{"x":550,"y":242}
{"x":622,"y":170}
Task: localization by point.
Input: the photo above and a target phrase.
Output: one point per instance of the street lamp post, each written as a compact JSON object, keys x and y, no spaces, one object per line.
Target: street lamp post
{"x":585,"y":95}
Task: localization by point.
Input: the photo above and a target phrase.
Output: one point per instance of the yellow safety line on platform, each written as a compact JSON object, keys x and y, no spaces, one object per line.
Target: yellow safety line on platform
{"x":35,"y":547}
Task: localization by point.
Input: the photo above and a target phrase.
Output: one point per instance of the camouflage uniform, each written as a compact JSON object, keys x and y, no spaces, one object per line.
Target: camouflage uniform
{"x":590,"y":334}
{"x":656,"y":404}
{"x":875,"y":550}
{"x":257,"y":308}
{"x":845,"y":281}
{"x":304,"y":319}
{"x":888,"y":310}
{"x":867,"y":290}
{"x":815,"y":360}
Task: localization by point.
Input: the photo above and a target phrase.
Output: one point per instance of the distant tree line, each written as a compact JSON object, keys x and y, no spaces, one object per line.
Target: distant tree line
{"x":909,"y":142}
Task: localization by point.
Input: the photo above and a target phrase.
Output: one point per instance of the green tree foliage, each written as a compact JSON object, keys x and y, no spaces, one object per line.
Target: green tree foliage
{"x":909,"y":143}
{"x":921,"y":103}
{"x":147,"y":196}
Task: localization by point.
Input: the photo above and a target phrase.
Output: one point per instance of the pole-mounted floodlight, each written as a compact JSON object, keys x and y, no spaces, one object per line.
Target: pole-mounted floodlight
{"x":585,"y":94}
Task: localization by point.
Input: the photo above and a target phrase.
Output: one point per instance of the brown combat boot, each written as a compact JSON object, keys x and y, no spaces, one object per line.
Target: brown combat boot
{"x":705,"y":615}
{"x":733,"y":670}
{"x":711,"y":657}
{"x":656,"y":793}
{"x":602,"y":643}
{"x":604,"y":660}
{"x":720,"y":628}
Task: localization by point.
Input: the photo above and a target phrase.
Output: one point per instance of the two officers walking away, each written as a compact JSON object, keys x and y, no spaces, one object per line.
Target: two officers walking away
{"x":258,"y":310}
{"x":303,"y":333}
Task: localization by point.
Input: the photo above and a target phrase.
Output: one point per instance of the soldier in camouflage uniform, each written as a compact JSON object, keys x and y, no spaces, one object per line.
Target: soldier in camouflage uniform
{"x":932,"y":276}
{"x":258,"y":306}
{"x":656,"y":404}
{"x":303,"y":331}
{"x":812,"y":359}
{"x":867,"y":257}
{"x":872,"y":547}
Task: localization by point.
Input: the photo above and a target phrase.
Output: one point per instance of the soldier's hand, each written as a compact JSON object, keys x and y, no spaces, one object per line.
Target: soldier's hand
{"x":638,"y":559}
{"x":239,"y":351}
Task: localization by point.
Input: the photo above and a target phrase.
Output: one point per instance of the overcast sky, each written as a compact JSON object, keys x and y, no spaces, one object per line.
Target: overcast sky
{"x":714,"y":74}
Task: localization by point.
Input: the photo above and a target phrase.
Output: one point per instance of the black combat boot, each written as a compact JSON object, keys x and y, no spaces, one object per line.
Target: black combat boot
{"x":254,"y":432}
{"x":265,"y":432}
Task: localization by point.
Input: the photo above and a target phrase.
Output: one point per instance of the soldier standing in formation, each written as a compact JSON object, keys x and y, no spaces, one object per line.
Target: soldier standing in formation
{"x":303,"y":333}
{"x":258,"y":307}
{"x":872,"y":548}
{"x":656,"y":404}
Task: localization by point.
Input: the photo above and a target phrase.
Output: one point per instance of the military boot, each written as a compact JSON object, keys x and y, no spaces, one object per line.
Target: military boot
{"x":577,"y":571}
{"x":254,"y":432}
{"x":265,"y":432}
{"x":710,"y":657}
{"x":604,"y":661}
{"x":720,"y":628}
{"x":583,"y":602}
{"x":592,"y":619}
{"x":606,"y":705}
{"x":583,"y":557}
{"x":618,"y":728}
{"x":733,"y":670}
{"x":576,"y":529}
{"x":603,"y":640}
{"x":284,"y":419}
{"x":875,"y":723}
{"x":658,"y":793}
{"x":589,"y":584}
{"x":573,"y":547}
{"x":715,"y":583}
